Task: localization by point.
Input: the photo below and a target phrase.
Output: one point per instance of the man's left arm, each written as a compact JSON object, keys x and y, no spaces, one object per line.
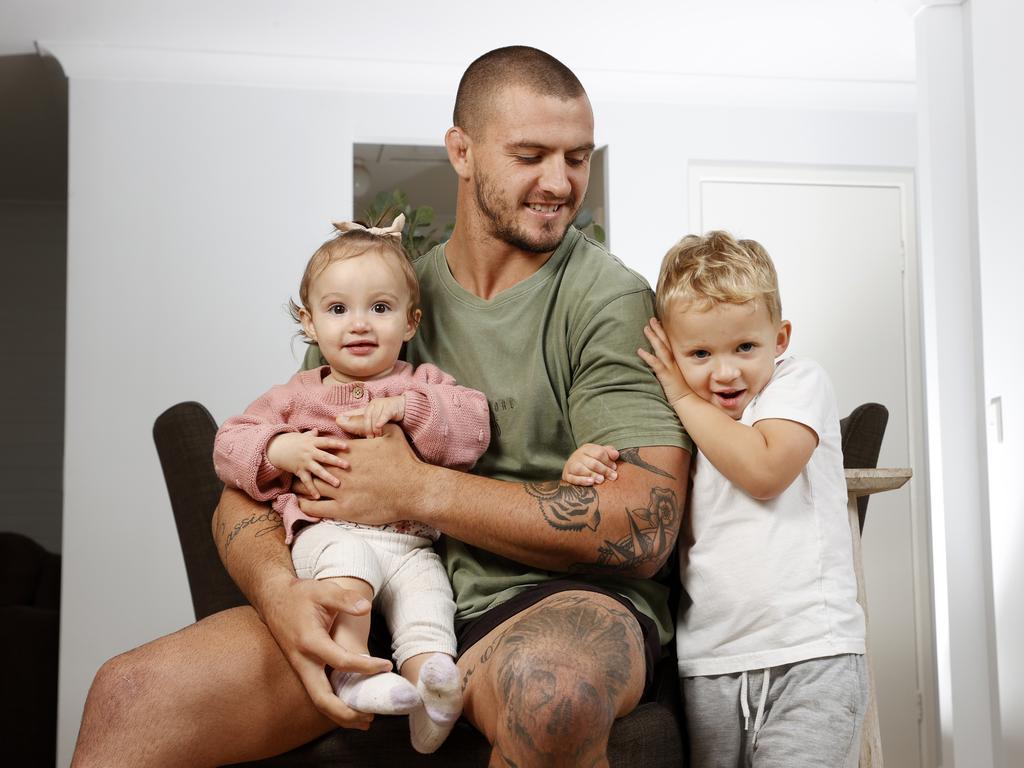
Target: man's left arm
{"x":627,"y":526}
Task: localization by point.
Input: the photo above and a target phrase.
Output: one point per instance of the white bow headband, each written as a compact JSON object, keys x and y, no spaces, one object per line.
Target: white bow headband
{"x":395,"y":229}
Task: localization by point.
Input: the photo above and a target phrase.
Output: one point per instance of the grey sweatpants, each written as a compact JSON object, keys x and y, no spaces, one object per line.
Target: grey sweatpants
{"x":809,"y":716}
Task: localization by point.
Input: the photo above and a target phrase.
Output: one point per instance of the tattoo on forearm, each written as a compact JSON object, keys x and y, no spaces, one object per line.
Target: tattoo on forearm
{"x":632,"y":456}
{"x":563,"y":664}
{"x":652,"y":535}
{"x":268,"y":521}
{"x":566,"y":507}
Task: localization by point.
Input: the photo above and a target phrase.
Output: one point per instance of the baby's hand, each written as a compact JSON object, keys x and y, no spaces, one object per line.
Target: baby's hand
{"x":663,"y":363}
{"x":304,"y":454}
{"x":591,"y":464}
{"x":370,"y":421}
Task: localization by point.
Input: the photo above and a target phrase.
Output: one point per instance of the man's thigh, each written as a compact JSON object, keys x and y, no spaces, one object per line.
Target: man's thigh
{"x":217,"y":691}
{"x":545,"y":685}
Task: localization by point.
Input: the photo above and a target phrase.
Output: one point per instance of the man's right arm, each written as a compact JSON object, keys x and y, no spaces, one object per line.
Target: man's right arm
{"x":299,"y":613}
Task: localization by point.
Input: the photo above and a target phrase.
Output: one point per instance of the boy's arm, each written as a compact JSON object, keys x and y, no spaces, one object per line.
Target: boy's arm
{"x":762,"y":460}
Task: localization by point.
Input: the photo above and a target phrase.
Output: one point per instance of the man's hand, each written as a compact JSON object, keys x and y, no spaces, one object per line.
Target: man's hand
{"x":385,"y":483}
{"x":590,"y":464}
{"x":370,"y":421}
{"x":663,"y":363}
{"x":300,"y":614}
{"x":304,"y":454}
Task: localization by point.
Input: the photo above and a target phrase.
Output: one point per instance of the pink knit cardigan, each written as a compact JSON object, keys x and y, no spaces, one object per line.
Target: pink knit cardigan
{"x":447,"y":425}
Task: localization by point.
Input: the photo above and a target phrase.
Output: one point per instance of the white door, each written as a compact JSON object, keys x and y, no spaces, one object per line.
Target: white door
{"x":840,"y":241}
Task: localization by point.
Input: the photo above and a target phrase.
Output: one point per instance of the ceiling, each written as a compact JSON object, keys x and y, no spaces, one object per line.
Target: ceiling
{"x":841,"y":39}
{"x":844,"y":42}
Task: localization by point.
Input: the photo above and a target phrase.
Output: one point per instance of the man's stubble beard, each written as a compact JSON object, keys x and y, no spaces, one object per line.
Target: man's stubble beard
{"x":502,"y":221}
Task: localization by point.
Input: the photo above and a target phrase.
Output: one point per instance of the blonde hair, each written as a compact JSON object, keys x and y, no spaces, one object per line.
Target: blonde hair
{"x":702,"y":271}
{"x":348,"y":245}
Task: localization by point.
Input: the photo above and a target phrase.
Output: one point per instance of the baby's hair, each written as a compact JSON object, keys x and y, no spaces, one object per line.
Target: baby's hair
{"x":701,"y":271}
{"x":347,"y":244}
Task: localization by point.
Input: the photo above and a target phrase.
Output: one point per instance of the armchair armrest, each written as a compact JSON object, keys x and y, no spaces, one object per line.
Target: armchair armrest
{"x":862,"y":482}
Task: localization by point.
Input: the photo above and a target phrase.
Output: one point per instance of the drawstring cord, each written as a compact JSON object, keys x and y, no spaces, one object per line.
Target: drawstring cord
{"x":745,"y":707}
{"x":759,"y":718}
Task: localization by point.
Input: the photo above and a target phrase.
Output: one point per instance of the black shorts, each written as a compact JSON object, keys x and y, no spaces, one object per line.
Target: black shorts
{"x":470,"y":631}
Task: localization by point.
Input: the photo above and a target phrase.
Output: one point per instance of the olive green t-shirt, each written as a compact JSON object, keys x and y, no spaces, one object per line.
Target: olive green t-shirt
{"x":556,"y":356}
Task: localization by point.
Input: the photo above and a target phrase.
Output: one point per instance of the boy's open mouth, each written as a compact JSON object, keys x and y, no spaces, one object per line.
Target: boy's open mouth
{"x":729,"y":398}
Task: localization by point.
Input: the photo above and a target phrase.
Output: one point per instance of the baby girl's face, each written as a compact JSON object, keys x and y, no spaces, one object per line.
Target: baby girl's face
{"x":359,"y":315}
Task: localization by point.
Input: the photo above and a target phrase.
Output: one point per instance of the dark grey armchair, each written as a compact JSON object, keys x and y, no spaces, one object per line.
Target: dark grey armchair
{"x":649,"y":737}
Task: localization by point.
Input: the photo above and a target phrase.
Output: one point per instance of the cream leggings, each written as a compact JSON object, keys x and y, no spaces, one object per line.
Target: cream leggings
{"x":410,"y":585}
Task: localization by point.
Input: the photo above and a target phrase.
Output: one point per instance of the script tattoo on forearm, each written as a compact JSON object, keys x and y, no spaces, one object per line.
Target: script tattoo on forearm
{"x":559,"y":666}
{"x":652,"y":535}
{"x":632,"y":456}
{"x":566,"y":507}
{"x":267,"y":521}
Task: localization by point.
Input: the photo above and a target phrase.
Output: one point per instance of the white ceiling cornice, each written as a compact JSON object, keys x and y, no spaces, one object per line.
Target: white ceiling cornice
{"x":140,"y":64}
{"x":118,"y":62}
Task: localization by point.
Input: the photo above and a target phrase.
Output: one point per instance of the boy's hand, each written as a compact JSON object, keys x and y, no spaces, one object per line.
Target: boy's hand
{"x":663,"y":363}
{"x":591,"y":464}
{"x":304,"y":454}
{"x":370,"y":421}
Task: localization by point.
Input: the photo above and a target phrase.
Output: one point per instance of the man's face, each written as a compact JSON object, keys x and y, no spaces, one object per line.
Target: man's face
{"x":531,"y":165}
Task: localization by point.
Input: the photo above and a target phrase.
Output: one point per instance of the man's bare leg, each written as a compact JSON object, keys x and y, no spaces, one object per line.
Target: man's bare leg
{"x":545,"y":686}
{"x":217,"y":691}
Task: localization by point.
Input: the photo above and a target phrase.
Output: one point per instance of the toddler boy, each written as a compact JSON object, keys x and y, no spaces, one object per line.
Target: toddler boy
{"x":771,"y":648}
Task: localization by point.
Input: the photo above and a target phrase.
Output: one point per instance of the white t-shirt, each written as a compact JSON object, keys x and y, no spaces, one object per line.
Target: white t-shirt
{"x":772,"y":582}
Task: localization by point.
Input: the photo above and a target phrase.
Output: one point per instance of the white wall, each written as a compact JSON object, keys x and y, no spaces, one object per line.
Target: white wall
{"x":191,"y":212}
{"x":192,"y":209}
{"x":998,"y":59}
{"x":971,"y":164}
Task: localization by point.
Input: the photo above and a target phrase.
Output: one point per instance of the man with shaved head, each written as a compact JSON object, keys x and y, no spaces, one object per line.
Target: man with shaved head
{"x":558,"y":620}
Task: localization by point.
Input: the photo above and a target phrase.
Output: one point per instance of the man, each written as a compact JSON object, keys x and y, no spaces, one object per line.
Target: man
{"x":524,"y":308}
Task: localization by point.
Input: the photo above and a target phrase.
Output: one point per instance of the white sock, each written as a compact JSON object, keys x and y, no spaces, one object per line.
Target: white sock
{"x":440,"y":689}
{"x":381,"y":694}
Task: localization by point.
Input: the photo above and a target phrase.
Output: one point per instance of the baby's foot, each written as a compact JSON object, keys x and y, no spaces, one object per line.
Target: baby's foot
{"x":440,"y":690}
{"x":382,"y":694}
